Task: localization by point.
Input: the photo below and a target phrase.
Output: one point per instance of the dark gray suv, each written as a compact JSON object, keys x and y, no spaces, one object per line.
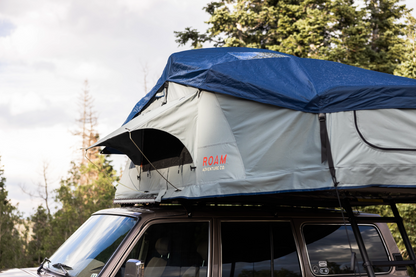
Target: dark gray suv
{"x":227,"y":241}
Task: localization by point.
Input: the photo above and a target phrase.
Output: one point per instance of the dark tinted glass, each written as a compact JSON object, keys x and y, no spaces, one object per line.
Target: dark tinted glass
{"x":258,"y":249}
{"x":286,"y":262}
{"x":173,"y":250}
{"x":329,"y":250}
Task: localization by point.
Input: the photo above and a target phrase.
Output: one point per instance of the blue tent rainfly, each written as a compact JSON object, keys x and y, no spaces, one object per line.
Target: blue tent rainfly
{"x":308,"y":85}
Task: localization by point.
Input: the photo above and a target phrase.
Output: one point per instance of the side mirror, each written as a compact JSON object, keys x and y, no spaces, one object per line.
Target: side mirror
{"x":134,"y":268}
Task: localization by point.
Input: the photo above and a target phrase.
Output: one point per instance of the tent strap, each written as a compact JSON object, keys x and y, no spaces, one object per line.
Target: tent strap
{"x":326,"y":154}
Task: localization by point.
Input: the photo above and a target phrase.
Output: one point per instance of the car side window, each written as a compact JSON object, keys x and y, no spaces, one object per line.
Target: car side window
{"x":258,"y":249}
{"x":329,"y":249}
{"x":172,"y":250}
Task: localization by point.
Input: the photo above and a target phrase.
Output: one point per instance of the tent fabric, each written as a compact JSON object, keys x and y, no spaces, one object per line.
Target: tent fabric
{"x":308,"y":85}
{"x":241,"y":147}
{"x":178,"y":113}
{"x":388,"y":134}
{"x":389,"y":162}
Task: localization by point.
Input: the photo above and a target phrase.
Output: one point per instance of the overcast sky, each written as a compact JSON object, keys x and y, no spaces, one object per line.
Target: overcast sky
{"x":48,"y":48}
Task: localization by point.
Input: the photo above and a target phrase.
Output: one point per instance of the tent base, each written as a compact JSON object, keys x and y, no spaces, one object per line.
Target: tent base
{"x":324,"y":198}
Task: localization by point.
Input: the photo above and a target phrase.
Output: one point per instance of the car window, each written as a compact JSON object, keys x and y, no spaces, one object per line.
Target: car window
{"x":86,"y":252}
{"x":258,"y":249}
{"x":329,"y":250}
{"x":172,"y":250}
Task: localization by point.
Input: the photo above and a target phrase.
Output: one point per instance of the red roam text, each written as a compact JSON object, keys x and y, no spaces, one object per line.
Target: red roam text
{"x":211,"y":160}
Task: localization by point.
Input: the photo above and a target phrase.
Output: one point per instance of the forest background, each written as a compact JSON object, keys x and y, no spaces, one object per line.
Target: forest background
{"x":373,"y":34}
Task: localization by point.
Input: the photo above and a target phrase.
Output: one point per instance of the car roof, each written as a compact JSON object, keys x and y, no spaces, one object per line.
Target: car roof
{"x":223,"y":210}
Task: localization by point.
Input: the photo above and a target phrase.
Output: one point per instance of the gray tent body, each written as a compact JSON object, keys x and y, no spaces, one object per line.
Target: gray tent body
{"x":219,"y":145}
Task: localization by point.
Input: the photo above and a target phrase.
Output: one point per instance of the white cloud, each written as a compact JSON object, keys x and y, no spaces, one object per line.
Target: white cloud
{"x":27,"y":102}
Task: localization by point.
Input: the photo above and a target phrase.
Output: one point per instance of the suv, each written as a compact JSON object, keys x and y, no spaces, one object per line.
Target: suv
{"x":219,"y":240}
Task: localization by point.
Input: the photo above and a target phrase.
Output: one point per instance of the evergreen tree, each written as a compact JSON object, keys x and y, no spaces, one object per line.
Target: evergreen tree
{"x":40,"y":244}
{"x":12,"y":251}
{"x":335,"y":30}
{"x":88,"y":188}
{"x":292,"y":26}
{"x":408,"y":66}
{"x":80,"y":197}
{"x":349,"y":35}
{"x":385,"y":43}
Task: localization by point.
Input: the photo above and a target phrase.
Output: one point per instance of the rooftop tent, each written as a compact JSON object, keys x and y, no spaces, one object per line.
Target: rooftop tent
{"x":208,"y":134}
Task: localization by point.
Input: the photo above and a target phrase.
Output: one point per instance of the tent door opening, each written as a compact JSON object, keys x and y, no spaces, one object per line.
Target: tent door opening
{"x":161,"y":149}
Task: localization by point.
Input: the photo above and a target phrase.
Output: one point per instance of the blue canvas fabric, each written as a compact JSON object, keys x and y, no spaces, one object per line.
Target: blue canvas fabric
{"x":308,"y":85}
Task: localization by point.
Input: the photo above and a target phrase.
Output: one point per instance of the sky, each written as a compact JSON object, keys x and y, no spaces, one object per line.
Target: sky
{"x":49,"y":48}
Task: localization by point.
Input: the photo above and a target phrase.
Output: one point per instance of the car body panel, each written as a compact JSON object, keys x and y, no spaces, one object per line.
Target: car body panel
{"x":215,"y":216}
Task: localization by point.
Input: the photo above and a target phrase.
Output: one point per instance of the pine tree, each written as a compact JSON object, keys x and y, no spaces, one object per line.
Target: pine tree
{"x":336,"y":30}
{"x":12,"y":251}
{"x":349,"y":35}
{"x":87,"y":123}
{"x":41,"y":223}
{"x":408,"y":66}
{"x":292,"y":26}
{"x":40,"y":245}
{"x":385,"y":49}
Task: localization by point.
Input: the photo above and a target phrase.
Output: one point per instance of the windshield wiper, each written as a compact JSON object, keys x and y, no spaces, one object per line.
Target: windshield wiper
{"x":63,"y":267}
{"x":41,"y":265}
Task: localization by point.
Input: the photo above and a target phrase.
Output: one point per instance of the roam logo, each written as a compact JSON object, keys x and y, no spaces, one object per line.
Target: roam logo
{"x":212,"y":163}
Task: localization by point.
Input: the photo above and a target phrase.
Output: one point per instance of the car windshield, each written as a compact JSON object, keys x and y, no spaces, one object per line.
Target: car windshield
{"x":86,"y":252}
